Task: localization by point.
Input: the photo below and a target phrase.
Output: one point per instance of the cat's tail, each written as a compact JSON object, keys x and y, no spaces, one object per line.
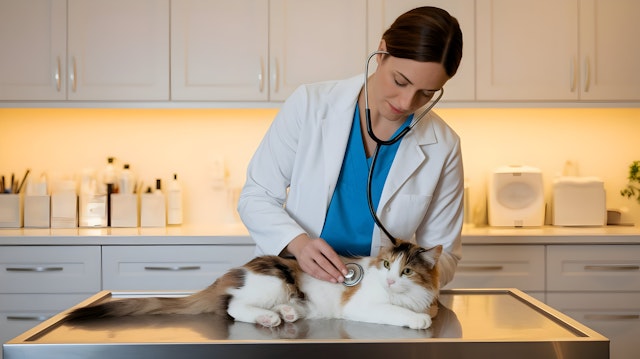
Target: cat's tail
{"x":213,"y":299}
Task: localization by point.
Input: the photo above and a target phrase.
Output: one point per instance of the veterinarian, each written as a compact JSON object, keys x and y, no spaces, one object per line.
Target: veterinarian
{"x":306,"y":188}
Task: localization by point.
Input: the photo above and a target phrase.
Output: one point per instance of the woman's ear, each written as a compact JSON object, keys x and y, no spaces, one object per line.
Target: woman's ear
{"x":381,"y":47}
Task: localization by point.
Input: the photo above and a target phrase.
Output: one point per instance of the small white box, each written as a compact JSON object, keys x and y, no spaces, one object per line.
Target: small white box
{"x":124,"y":210}
{"x":10,"y":210}
{"x":37,"y":211}
{"x":92,"y":211}
{"x":153,"y":212}
{"x":579,"y":201}
{"x":64,"y":210}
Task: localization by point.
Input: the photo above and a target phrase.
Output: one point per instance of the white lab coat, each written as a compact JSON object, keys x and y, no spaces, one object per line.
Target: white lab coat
{"x":293,"y":173}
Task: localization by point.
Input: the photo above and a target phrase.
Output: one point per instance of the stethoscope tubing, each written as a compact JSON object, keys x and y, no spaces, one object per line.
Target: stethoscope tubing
{"x":379,"y":142}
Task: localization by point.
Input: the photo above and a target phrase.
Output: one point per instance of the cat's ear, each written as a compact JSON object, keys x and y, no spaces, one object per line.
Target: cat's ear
{"x":432,"y":255}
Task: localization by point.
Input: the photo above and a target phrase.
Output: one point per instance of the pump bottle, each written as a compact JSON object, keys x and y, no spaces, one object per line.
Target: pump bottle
{"x":174,"y":201}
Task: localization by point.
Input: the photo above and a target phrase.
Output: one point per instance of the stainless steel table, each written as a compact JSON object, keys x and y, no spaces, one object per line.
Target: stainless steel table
{"x":487,"y":323}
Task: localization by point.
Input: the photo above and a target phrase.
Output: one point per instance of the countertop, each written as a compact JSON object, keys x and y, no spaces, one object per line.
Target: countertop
{"x":237,"y":234}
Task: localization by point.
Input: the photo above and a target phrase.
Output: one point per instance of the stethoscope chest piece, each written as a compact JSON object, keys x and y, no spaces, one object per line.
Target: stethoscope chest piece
{"x":354,"y":275}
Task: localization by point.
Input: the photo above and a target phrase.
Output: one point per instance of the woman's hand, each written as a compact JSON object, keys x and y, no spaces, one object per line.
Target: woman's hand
{"x":317,"y":258}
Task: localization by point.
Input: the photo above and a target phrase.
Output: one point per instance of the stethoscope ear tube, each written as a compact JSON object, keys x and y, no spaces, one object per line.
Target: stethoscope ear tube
{"x":379,"y":142}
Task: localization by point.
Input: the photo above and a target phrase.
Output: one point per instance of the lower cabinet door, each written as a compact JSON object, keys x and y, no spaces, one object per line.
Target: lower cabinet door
{"x":169,"y":267}
{"x":614,"y":315}
{"x":21,"y":312}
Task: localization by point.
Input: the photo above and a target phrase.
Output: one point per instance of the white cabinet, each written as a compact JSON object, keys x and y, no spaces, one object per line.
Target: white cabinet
{"x":169,"y":267}
{"x":222,"y":60}
{"x":33,"y":40}
{"x":599,"y":285}
{"x":37,"y":282}
{"x":259,"y":51}
{"x":557,"y":50}
{"x":502,"y":266}
{"x":84,"y":50}
{"x":383,"y":12}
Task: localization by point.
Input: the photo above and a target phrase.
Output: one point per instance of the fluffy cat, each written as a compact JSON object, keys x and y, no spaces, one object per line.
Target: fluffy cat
{"x":399,"y":287}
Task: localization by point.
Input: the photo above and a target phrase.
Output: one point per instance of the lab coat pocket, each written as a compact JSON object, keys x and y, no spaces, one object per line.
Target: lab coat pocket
{"x":404,"y":213}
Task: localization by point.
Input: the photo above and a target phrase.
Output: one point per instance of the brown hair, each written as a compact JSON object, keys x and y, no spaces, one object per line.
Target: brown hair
{"x":426,"y":34}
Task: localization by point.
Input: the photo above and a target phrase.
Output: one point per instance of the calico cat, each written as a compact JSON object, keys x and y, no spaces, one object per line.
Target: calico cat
{"x":399,"y":287}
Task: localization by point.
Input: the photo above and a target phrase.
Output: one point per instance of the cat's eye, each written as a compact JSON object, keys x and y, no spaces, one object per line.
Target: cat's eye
{"x":385,"y":263}
{"x":407,"y":271}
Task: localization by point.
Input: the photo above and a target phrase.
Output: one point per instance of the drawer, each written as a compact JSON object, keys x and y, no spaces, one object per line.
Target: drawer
{"x":169,"y":267}
{"x":21,"y":312}
{"x":593,"y":268}
{"x":501,"y":266}
{"x":614,"y":315}
{"x":44,"y":269}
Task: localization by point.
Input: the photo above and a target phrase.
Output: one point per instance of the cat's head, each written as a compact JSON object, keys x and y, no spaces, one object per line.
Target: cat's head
{"x":407,"y":268}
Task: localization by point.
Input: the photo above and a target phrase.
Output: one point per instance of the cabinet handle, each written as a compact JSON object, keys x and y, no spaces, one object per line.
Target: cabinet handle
{"x":261,"y":75}
{"x":274,"y":75}
{"x":57,"y":76}
{"x":574,"y":73}
{"x":35,"y":269}
{"x":174,"y":268}
{"x":612,"y":316}
{"x":587,"y":74}
{"x":40,"y":318}
{"x":72,"y":74}
{"x":480,"y":268}
{"x":612,"y":267}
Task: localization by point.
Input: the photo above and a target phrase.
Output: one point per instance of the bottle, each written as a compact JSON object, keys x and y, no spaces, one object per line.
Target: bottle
{"x":109,"y":177}
{"x":174,"y":201}
{"x":126,"y":181}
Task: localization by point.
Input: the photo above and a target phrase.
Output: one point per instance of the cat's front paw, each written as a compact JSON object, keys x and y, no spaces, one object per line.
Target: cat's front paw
{"x":420,"y":321}
{"x":288,"y":313}
{"x":268,"y":320}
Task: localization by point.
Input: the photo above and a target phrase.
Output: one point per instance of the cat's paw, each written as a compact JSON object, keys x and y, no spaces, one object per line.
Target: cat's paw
{"x":420,"y":321}
{"x":268,"y":320}
{"x":288,"y":313}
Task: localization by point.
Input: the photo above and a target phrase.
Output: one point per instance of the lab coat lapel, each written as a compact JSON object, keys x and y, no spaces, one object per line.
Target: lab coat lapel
{"x":411,"y":154}
{"x":336,"y":127}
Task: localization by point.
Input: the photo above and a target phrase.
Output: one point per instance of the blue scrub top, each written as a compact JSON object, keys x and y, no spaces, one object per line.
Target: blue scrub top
{"x":348,"y":226}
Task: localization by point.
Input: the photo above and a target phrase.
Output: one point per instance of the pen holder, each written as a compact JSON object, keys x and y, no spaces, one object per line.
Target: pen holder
{"x":92,"y":211}
{"x":64,"y":210}
{"x":124,"y":210}
{"x":37,"y":211}
{"x":10,"y":211}
{"x":153,"y":211}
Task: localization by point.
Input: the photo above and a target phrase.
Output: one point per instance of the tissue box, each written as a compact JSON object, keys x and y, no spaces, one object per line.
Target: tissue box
{"x":579,"y":201}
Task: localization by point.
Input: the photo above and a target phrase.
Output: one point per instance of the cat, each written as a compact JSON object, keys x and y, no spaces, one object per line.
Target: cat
{"x":400,"y":287}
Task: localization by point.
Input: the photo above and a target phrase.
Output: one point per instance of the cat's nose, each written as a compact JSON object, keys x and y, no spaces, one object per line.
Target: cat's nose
{"x":390,"y":281}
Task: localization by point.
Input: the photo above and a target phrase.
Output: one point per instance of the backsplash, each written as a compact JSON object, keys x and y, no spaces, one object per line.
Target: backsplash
{"x":156,"y":143}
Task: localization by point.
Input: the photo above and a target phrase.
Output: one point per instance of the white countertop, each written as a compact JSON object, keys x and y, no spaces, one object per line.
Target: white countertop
{"x":237,"y":234}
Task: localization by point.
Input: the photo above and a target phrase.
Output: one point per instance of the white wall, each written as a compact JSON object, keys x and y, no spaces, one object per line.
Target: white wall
{"x":160,"y":142}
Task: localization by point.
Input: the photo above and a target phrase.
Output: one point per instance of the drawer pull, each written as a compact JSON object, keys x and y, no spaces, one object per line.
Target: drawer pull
{"x":612,"y":316}
{"x":480,"y":268}
{"x":174,"y":269}
{"x":35,"y":269}
{"x":612,"y":267}
{"x":40,"y":318}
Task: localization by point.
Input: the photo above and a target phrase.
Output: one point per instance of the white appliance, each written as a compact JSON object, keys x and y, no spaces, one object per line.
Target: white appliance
{"x":516,"y":197}
{"x":579,"y":201}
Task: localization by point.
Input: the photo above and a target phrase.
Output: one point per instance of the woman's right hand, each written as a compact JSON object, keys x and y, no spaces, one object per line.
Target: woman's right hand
{"x":317,"y":258}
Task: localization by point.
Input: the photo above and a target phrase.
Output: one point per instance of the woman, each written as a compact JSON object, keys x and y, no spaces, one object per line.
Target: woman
{"x":305,"y":193}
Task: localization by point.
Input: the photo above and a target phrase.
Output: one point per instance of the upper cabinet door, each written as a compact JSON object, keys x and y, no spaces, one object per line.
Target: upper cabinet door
{"x":33,"y":49}
{"x":118,"y":50}
{"x":527,"y":50}
{"x":610,"y":50}
{"x":383,"y":12}
{"x":314,"y":41}
{"x":219,"y":50}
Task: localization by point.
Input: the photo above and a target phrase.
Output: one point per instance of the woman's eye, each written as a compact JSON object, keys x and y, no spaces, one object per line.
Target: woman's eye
{"x":407,"y":271}
{"x":400,"y":84}
{"x":386,"y":264}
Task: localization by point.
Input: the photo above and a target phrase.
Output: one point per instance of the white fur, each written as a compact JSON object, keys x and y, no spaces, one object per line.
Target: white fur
{"x":263,"y":300}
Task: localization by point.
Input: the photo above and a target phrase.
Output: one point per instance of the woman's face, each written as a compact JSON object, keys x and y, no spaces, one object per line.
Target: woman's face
{"x":403,"y":85}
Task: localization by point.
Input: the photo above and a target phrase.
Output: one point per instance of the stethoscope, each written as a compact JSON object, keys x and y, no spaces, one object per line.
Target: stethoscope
{"x":355,"y":271}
